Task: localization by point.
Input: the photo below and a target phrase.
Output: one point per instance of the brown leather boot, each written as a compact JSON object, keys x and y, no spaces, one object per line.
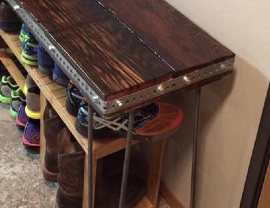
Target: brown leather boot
{"x":9,"y":21}
{"x":108,"y":185}
{"x":71,"y":171}
{"x":52,"y":126}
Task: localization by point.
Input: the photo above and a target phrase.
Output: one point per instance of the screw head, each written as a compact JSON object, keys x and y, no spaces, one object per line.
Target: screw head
{"x":51,"y":48}
{"x":160,"y":88}
{"x":186,"y":80}
{"x":16,"y":7}
{"x":119,"y":103}
{"x":223,"y":66}
{"x":95,"y":98}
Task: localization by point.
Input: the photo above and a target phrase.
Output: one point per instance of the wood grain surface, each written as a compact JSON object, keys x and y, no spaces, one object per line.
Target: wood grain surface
{"x":109,"y":55}
{"x":174,"y":37}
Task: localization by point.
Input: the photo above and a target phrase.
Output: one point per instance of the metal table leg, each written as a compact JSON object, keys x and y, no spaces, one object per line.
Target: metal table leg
{"x":126,"y":160}
{"x":90,"y":155}
{"x":194,"y":149}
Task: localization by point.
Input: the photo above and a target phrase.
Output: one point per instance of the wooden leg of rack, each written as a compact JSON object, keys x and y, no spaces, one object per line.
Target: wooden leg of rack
{"x":43,"y":103}
{"x":155,"y":169}
{"x":85,"y":186}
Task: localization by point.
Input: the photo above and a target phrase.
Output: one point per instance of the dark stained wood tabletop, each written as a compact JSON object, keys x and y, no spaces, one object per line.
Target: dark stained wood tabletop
{"x":109,"y":55}
{"x":124,"y":46}
{"x":174,"y":37}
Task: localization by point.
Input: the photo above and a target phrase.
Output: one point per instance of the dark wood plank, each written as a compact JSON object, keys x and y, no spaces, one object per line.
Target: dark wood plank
{"x":184,"y":45}
{"x":104,"y":51}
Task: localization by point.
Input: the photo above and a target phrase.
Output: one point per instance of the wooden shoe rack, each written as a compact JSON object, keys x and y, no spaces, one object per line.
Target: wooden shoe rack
{"x":56,"y":96}
{"x":121,"y":60}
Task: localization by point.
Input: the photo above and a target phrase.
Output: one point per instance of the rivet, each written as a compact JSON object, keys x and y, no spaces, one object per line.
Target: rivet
{"x":223,"y":66}
{"x":160,"y":88}
{"x":95,"y":98}
{"x":119,"y":103}
{"x":51,"y":48}
{"x":16,"y":7}
{"x":187,"y":81}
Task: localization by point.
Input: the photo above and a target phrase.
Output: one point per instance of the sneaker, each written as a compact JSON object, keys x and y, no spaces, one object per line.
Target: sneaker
{"x":21,"y":118}
{"x":59,"y":77}
{"x":17,"y":97}
{"x":29,"y":50}
{"x":45,"y":62}
{"x":31,"y":135}
{"x":155,"y":121}
{"x":32,"y":108}
{"x":74,"y":99}
{"x":9,"y":21}
{"x":23,"y":33}
{"x":29,"y":82}
{"x":7,"y":85}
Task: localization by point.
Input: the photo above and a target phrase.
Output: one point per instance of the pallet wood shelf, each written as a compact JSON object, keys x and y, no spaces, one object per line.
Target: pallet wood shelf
{"x":56,"y":96}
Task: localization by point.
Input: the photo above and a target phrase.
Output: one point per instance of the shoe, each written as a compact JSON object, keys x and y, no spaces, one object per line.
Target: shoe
{"x":29,"y":82}
{"x":52,"y":126}
{"x":155,"y":121}
{"x":21,"y":118}
{"x":45,"y":62}
{"x":29,"y":50}
{"x":31,"y":135}
{"x":71,"y":171}
{"x":7,"y":85}
{"x":32,"y":108}
{"x":59,"y":77}
{"x":17,"y":97}
{"x":9,"y":21}
{"x":23,"y":33}
{"x":74,"y":99}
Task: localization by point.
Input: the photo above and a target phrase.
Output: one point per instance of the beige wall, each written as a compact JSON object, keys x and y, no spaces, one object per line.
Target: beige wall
{"x":242,"y":25}
{"x":230,"y":114}
{"x":230,"y":108}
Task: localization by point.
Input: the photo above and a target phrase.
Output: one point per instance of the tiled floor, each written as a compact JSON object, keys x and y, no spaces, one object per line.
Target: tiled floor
{"x":21,"y":181}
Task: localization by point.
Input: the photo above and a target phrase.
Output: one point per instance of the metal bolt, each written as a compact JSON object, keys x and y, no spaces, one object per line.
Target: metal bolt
{"x":160,"y":88}
{"x":119,"y":103}
{"x":223,"y":66}
{"x":95,"y":98}
{"x":51,"y":48}
{"x":187,"y":81}
{"x":16,"y":7}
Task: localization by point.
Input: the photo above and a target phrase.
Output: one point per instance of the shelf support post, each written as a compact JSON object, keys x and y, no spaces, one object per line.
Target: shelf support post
{"x":195,"y":147}
{"x":126,"y":160}
{"x":90,"y":156}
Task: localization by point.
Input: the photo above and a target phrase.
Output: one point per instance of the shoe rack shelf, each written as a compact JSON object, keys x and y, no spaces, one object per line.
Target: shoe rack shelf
{"x":56,"y":96}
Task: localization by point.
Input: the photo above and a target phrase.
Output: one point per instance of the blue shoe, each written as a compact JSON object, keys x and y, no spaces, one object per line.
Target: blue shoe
{"x":45,"y":62}
{"x":23,"y":33}
{"x":152,"y":122}
{"x":74,"y":99}
{"x":59,"y":77}
{"x":29,"y":50}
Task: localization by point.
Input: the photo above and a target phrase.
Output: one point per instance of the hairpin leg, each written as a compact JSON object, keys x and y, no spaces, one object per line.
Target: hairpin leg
{"x":194,"y":150}
{"x":90,"y":156}
{"x":126,"y":160}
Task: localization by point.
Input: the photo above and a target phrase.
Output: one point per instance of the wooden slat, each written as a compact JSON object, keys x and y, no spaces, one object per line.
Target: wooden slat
{"x":12,"y":69}
{"x":178,"y":40}
{"x":155,"y":170}
{"x":43,"y":104}
{"x":112,"y":60}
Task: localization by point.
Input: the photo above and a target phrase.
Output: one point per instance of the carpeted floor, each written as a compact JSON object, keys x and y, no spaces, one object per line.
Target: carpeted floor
{"x":21,"y":182}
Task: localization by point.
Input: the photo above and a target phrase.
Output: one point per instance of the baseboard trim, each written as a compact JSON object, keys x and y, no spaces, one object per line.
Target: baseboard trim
{"x":169,"y":197}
